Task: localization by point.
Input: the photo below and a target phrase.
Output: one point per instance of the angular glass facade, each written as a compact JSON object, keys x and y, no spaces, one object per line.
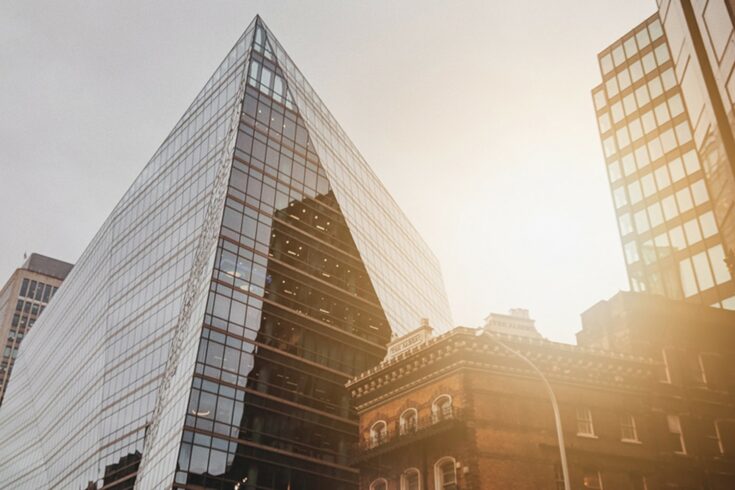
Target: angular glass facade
{"x":701,"y":38}
{"x":205,"y":336}
{"x":663,"y":192}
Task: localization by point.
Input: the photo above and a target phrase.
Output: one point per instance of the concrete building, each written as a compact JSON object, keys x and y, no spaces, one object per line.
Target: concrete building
{"x":22,"y":299}
{"x":647,"y":401}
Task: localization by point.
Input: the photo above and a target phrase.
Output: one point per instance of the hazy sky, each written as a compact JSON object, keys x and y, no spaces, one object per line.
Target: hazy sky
{"x":476,"y":115}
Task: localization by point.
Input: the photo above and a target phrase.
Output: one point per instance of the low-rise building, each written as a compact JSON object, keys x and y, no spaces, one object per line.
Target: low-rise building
{"x":465,"y":410}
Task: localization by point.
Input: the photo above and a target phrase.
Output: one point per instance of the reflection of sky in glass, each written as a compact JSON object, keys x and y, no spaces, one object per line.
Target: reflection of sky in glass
{"x":105,"y":339}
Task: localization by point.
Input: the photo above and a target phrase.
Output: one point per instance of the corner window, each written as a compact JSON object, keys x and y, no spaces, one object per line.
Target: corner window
{"x":585,"y":427}
{"x":441,"y":409}
{"x":409,"y":421}
{"x":631,"y":252}
{"x":599,"y":99}
{"x":378,"y":433}
{"x":606,"y":63}
{"x":618,"y":55}
{"x":445,"y":474}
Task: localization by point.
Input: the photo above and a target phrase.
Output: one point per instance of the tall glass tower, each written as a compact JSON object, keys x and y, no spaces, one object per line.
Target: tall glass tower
{"x":204,"y":338}
{"x":670,"y":184}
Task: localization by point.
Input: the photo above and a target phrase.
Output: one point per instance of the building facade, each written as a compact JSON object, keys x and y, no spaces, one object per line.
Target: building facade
{"x":666,"y":197}
{"x":463,"y":411}
{"x":702,"y":44}
{"x":205,"y":336}
{"x":23,"y":297}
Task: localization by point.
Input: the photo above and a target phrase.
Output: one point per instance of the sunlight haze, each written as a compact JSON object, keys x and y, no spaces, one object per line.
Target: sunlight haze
{"x":476,"y":116}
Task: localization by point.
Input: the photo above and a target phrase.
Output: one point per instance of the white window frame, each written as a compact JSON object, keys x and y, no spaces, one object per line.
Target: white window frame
{"x":378,"y":437}
{"x":585,"y":420}
{"x":702,"y":375}
{"x":599,"y":480}
{"x":633,"y":426}
{"x":376,"y":482}
{"x":404,"y":477}
{"x":719,"y":437}
{"x":439,"y":483}
{"x":442,"y":414}
{"x":677,"y":425}
{"x":402,"y":421}
{"x":667,"y":371}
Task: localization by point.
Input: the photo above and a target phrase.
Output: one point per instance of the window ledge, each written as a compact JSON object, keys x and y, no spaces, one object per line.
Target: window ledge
{"x":631,"y":441}
{"x":587,"y":436}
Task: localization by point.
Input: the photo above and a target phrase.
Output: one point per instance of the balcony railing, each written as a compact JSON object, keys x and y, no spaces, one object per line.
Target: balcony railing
{"x":398,"y":434}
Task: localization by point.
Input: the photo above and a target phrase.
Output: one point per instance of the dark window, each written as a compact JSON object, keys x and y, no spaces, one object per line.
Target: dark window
{"x":675,"y":435}
{"x":378,"y":485}
{"x":592,"y":479}
{"x":410,"y":480}
{"x":446,"y":475}
{"x":638,"y":482}
{"x":39,"y":291}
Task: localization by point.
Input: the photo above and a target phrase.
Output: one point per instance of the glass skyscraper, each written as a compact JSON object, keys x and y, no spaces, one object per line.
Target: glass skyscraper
{"x":670,"y":175}
{"x":204,"y":337}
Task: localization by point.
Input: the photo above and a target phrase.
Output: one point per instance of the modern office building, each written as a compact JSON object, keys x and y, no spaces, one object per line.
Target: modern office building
{"x":702,"y":43}
{"x":670,"y":176}
{"x":204,"y":338}
{"x":23,"y":297}
{"x":645,"y":402}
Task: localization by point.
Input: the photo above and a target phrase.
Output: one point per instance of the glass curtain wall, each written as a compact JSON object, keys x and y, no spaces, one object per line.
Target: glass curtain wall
{"x":291,"y":315}
{"x":671,"y":240}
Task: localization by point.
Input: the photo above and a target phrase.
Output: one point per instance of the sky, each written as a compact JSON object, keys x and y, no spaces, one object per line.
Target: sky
{"x":476,"y":115}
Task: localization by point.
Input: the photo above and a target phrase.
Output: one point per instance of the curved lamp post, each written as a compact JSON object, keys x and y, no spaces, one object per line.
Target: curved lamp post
{"x":554,"y":404}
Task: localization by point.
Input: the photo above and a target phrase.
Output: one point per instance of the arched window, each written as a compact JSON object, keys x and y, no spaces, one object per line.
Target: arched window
{"x":409,"y":421}
{"x":379,"y":484}
{"x":441,"y":409}
{"x":445,"y":474}
{"x":411,"y":479}
{"x":378,"y":433}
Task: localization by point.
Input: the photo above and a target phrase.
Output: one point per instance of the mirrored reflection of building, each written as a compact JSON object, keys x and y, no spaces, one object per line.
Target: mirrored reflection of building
{"x":255,"y":265}
{"x":23,"y":297}
{"x":671,"y":199}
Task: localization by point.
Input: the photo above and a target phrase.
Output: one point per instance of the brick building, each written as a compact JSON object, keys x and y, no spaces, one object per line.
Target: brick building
{"x":646,"y":401}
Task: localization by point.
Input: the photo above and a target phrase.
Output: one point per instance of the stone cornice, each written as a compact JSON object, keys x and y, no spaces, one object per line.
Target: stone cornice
{"x":560,"y":362}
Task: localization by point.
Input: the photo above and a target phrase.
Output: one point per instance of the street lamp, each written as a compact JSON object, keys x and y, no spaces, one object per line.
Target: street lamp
{"x":554,"y":404}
